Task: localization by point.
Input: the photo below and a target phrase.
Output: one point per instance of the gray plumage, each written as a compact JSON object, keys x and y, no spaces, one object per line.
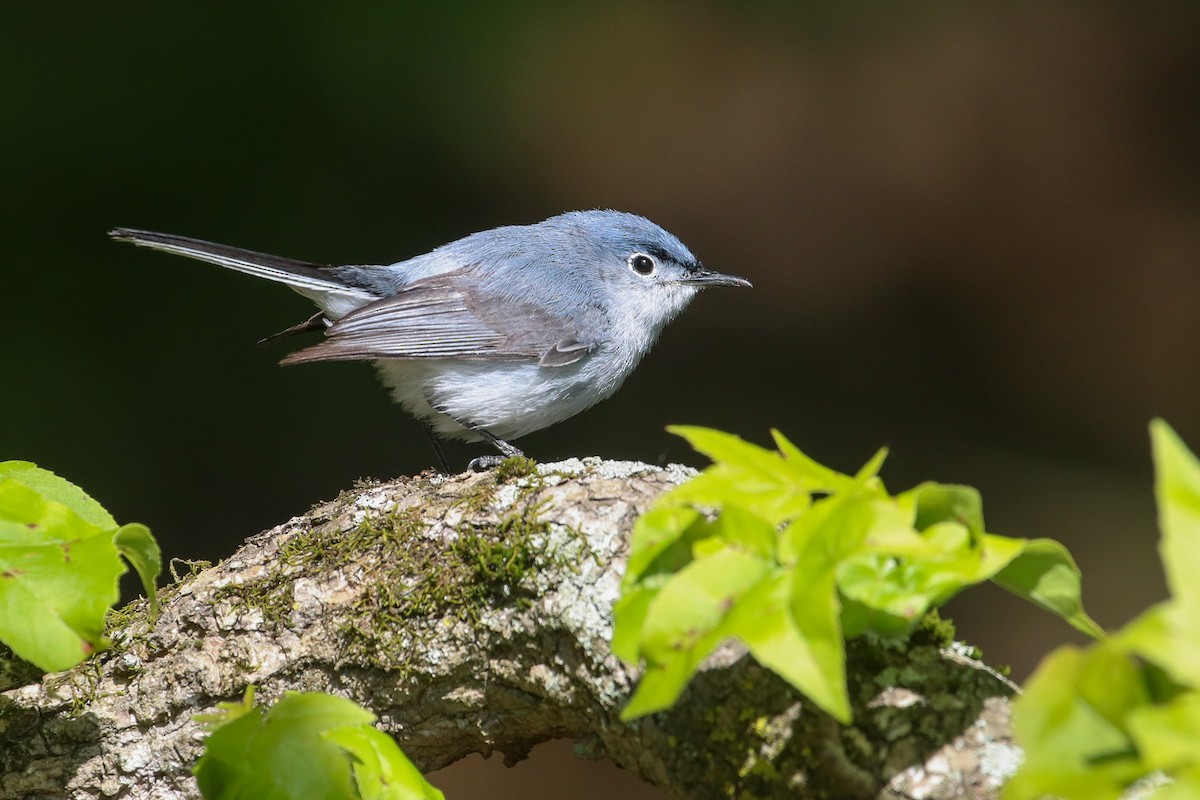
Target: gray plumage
{"x":500,"y":333}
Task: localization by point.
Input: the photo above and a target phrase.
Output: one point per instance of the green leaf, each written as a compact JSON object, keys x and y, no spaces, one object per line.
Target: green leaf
{"x":381,"y":769}
{"x":1177,"y":489}
{"x":722,"y":484}
{"x":792,"y":575}
{"x":681,"y":624}
{"x":1072,"y":750}
{"x":759,"y":480}
{"x":725,"y":448}
{"x":940,"y":502}
{"x":1168,"y":735}
{"x":629,"y":615}
{"x":58,"y":577}
{"x":1045,"y":574}
{"x":1166,"y":636}
{"x":284,"y":754}
{"x":662,"y":541}
{"x":1169,"y":634}
{"x":694,"y":601}
{"x":660,"y":686}
{"x":818,"y":477}
{"x":789,"y":622}
{"x":747,"y":530}
{"x":837,"y":527}
{"x":872,"y":467}
{"x":228,"y":711}
{"x":135,"y":542}
{"x":59,"y":490}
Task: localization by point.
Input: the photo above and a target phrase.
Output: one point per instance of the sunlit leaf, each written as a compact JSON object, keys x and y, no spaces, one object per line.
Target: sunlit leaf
{"x":1045,"y":574}
{"x":721,"y":484}
{"x":747,"y":530}
{"x":1071,"y":749}
{"x":296,"y":750}
{"x":746,"y":550}
{"x":1165,"y":635}
{"x":661,"y":685}
{"x":58,"y":577}
{"x":59,"y":490}
{"x":663,"y":531}
{"x":1168,"y":735}
{"x":691,"y":605}
{"x":140,"y":549}
{"x":1177,"y":488}
{"x":872,"y":467}
{"x":629,"y":615}
{"x":381,"y":770}
{"x":817,"y":477}
{"x":789,"y":621}
{"x":941,"y":502}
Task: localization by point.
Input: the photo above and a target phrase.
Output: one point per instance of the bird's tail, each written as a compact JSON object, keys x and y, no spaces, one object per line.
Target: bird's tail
{"x":302,"y":276}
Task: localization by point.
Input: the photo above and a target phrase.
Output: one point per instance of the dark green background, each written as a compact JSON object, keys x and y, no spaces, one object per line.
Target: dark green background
{"x":972,"y":228}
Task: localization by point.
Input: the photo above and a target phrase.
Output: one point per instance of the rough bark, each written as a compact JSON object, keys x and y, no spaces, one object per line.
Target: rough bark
{"x":472,"y":614}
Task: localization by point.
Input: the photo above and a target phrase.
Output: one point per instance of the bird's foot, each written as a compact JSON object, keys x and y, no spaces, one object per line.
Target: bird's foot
{"x":484,"y":463}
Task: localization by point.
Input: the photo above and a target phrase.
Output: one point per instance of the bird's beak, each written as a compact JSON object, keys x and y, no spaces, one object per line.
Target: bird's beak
{"x":704,"y":277}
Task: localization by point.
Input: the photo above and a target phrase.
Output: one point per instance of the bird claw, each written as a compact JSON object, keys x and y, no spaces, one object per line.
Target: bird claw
{"x":484,"y":463}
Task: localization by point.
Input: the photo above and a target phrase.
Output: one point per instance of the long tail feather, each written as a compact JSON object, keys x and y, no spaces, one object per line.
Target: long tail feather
{"x":297,"y":274}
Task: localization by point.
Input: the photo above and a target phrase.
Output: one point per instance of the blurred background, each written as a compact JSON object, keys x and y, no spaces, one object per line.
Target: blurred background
{"x":973,"y":230}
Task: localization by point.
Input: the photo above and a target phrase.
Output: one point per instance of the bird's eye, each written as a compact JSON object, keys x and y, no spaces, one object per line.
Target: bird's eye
{"x":642,"y":264}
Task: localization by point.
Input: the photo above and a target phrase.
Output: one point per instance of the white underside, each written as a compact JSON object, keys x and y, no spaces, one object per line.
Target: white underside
{"x":511,"y":399}
{"x":507,"y":399}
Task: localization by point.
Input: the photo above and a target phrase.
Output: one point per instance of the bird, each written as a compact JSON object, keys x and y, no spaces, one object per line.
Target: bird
{"x":495,"y":335}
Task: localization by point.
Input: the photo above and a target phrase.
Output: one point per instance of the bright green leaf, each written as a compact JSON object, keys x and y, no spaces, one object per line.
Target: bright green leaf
{"x":759,"y":480}
{"x":747,"y":530}
{"x":381,"y":769}
{"x":1071,"y":749}
{"x":1177,"y":488}
{"x":60,"y":490}
{"x":282,"y":755}
{"x":139,"y":547}
{"x":58,"y":577}
{"x":1168,"y":735}
{"x":629,"y":615}
{"x":695,"y":600}
{"x":888,"y":596}
{"x":872,"y":467}
{"x":941,"y":502}
{"x":817,"y":477}
{"x":1045,"y":574}
{"x":789,"y":621}
{"x":662,"y":540}
{"x":792,"y":575}
{"x":661,"y":685}
{"x":680,"y":624}
{"x":722,"y":484}
{"x":1165,"y":635}
{"x":837,"y":527}
{"x":725,"y":448}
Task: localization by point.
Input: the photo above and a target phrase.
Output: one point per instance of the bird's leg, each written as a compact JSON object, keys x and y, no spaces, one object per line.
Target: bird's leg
{"x":443,"y":464}
{"x":487,"y":462}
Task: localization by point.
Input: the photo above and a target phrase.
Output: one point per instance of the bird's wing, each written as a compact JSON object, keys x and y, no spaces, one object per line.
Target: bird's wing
{"x":440,"y":318}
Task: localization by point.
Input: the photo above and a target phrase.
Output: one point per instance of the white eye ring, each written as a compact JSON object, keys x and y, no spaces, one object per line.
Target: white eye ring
{"x":642,"y":264}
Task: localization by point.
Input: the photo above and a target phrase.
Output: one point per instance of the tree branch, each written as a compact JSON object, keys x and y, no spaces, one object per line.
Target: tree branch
{"x":472,"y":614}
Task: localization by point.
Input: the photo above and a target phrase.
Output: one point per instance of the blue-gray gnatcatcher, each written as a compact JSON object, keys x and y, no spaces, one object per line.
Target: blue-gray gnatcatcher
{"x":496,"y":335}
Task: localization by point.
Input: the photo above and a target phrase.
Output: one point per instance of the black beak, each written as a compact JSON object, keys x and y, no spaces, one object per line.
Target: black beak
{"x":703,"y":277}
